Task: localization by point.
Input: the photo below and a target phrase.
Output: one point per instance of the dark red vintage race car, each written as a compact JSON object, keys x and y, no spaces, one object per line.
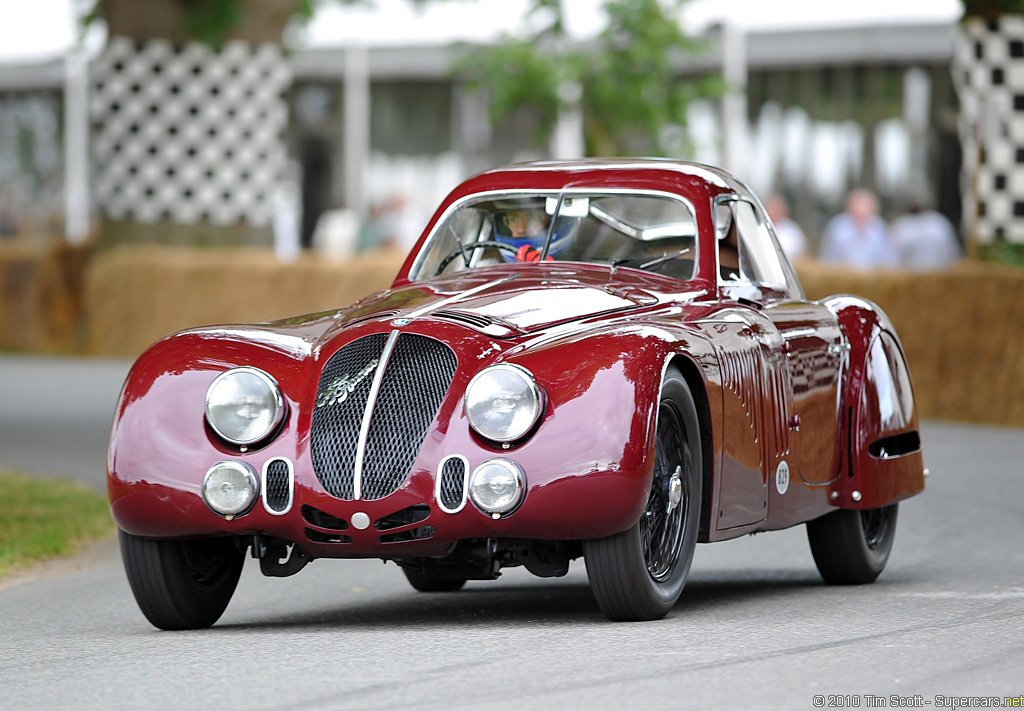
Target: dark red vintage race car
{"x":606,"y":359}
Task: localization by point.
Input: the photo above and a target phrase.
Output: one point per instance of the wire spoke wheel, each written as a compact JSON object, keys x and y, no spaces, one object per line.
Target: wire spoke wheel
{"x":662,"y":525}
{"x":639,"y":574}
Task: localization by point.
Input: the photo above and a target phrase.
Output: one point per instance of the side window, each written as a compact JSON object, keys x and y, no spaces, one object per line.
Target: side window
{"x":747,"y":253}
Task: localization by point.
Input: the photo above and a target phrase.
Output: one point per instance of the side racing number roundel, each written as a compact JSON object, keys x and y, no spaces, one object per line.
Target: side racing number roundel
{"x":782,"y":477}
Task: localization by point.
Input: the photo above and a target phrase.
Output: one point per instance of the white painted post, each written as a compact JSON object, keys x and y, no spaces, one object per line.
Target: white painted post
{"x":356,"y":127}
{"x":734,"y":102}
{"x":76,"y":146}
{"x":567,"y":137}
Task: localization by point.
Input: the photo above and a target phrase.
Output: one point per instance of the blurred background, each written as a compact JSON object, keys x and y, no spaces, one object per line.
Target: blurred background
{"x":390,"y":103}
{"x":161,"y":163}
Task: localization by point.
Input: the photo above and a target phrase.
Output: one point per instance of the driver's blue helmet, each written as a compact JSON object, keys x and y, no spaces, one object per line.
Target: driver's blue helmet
{"x":535,"y":225}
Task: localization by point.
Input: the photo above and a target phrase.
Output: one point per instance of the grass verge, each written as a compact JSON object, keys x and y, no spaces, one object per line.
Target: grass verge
{"x":45,"y":518}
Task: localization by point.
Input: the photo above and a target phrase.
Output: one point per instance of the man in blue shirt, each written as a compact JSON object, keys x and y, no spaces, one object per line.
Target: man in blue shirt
{"x":859,"y":238}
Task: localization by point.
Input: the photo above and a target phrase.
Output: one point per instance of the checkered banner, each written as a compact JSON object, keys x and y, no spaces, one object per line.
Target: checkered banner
{"x":187,"y":134}
{"x":988,"y":71}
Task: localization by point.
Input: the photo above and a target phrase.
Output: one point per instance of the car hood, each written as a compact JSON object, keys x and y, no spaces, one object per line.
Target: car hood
{"x":509,"y":302}
{"x":500,"y":302}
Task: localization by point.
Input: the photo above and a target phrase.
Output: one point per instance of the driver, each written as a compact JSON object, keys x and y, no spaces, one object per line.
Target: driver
{"x":526,"y":229}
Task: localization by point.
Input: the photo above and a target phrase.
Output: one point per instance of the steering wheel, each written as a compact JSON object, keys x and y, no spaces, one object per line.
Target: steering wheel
{"x":501,"y":246}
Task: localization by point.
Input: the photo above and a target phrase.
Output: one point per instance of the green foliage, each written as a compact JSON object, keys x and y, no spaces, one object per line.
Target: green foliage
{"x":44,"y":518}
{"x":1003,"y":252}
{"x":626,"y":83}
{"x":992,"y":8}
{"x":210,"y":21}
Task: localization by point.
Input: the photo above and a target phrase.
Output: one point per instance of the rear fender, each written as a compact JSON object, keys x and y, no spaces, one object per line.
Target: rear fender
{"x":883,"y":462}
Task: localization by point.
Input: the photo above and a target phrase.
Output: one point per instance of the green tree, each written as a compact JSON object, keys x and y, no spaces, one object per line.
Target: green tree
{"x":626,"y":82}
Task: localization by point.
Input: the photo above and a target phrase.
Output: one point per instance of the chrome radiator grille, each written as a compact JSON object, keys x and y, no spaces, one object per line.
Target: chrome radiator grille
{"x":417,"y":371}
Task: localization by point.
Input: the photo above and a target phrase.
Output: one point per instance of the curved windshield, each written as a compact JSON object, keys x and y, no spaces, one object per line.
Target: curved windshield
{"x":653,"y":232}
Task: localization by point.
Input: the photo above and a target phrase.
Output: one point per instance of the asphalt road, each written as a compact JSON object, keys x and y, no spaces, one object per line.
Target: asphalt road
{"x":756,"y":628}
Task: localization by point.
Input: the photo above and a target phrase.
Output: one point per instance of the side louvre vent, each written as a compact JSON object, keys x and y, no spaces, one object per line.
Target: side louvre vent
{"x":278,"y":486}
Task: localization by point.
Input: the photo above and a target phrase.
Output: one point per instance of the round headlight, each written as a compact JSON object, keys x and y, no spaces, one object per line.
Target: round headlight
{"x":244,"y":405}
{"x":229,"y":488}
{"x":503,"y":402}
{"x":496,"y":486}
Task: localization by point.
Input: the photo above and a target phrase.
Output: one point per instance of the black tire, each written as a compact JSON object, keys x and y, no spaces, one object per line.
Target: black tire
{"x":182,"y":585}
{"x":427,"y":580}
{"x":639,"y":574}
{"x":852,"y":547}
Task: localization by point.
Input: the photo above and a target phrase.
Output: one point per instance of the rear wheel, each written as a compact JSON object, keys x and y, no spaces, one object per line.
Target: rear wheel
{"x":429,"y":580}
{"x":639,"y":574}
{"x":852,"y":547}
{"x":182,"y":585}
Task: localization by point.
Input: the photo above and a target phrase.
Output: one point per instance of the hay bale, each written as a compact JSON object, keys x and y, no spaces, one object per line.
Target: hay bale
{"x":41,"y":296}
{"x":136,"y":295}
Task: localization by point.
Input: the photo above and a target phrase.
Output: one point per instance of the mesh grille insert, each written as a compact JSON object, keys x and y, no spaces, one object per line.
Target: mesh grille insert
{"x":453,"y":483}
{"x":415,"y":380}
{"x":417,"y":377}
{"x":340,"y":401}
{"x":279,"y":492}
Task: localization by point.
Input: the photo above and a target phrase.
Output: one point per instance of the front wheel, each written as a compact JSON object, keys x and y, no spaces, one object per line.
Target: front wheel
{"x":639,"y":574}
{"x":852,"y":547}
{"x":428,"y":580}
{"x":182,"y":585}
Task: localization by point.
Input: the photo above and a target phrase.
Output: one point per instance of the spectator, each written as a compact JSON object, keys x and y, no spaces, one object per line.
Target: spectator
{"x":858,"y":238}
{"x":791,"y":237}
{"x":924,"y":239}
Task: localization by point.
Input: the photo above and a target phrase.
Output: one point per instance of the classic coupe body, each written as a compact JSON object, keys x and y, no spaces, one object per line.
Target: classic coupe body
{"x":611,"y":360}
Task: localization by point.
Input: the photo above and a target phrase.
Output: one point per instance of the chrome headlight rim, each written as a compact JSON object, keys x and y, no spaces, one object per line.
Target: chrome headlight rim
{"x":520,"y":487}
{"x":254,"y":489}
{"x":272,"y":386}
{"x":532,"y":387}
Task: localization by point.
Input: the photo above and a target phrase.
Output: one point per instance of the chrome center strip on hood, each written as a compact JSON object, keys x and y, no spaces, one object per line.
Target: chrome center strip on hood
{"x":460,"y":296}
{"x":364,"y":427}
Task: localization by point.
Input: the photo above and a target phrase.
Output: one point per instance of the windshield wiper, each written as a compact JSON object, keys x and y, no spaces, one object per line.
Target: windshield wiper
{"x":652,"y":262}
{"x":462,"y":247}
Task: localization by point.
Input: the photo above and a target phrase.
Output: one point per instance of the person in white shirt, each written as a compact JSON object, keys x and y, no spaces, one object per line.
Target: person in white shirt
{"x":925,"y":240}
{"x":791,"y":237}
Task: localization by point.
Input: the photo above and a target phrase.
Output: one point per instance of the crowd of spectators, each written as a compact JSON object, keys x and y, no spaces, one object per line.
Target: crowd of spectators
{"x":921,"y":239}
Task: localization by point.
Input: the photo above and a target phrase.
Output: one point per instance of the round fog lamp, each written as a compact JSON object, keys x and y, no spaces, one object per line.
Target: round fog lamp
{"x":497,"y":486}
{"x":229,"y":488}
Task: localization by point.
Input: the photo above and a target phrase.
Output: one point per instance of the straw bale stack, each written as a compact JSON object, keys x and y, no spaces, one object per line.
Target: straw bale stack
{"x":40,"y":295}
{"x":138,"y":295}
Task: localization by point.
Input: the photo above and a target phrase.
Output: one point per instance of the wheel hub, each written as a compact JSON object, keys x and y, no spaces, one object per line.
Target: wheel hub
{"x":675,"y":489}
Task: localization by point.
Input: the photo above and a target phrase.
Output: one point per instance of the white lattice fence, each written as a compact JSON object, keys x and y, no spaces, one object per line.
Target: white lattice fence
{"x":988,"y":72}
{"x":186,"y":134}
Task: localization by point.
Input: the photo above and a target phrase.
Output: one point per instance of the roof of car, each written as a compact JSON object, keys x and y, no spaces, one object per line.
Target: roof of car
{"x":638,"y":173}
